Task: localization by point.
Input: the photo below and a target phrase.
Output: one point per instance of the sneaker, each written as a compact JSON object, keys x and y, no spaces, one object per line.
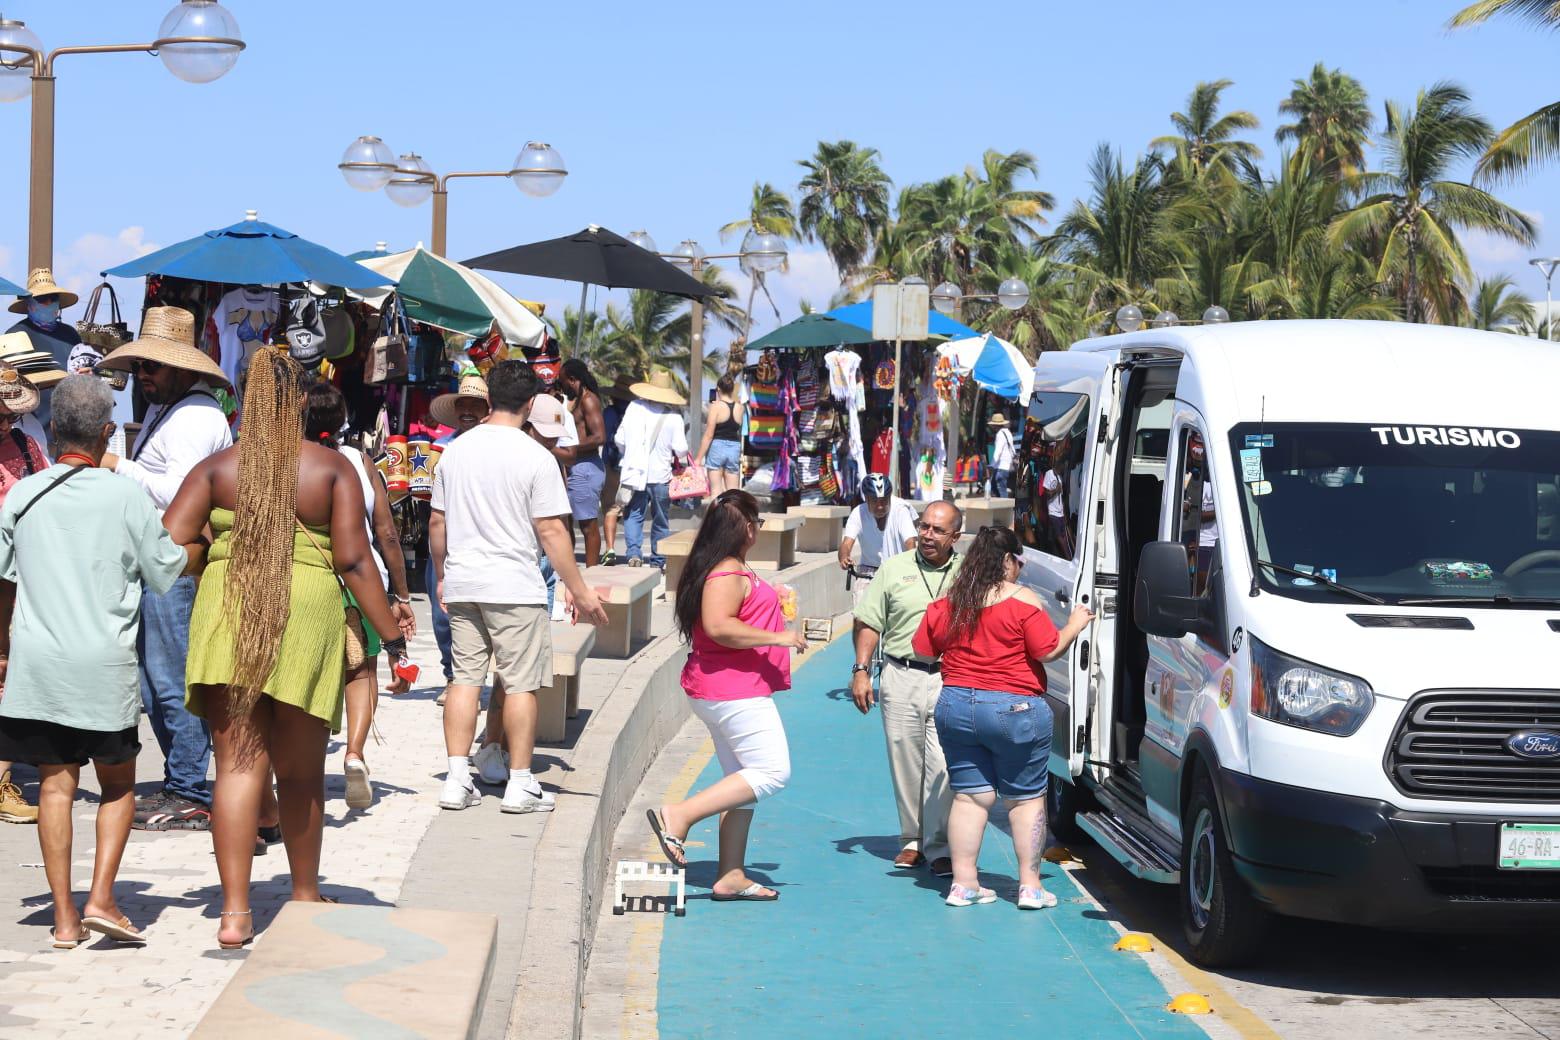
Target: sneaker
{"x":492,"y":764}
{"x":635,"y":561}
{"x":522,"y":798}
{"x":146,"y":808}
{"x":459,"y":793}
{"x":609,"y":558}
{"x":359,"y":794}
{"x":180,"y":814}
{"x":1035,"y":898}
{"x":13,"y":807}
{"x":958,"y":895}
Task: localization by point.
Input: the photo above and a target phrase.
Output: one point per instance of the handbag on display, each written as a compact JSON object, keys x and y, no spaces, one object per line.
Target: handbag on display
{"x":340,"y":333}
{"x":99,"y":339}
{"x":302,"y":327}
{"x":690,"y":482}
{"x":766,"y":432}
{"x":387,"y":359}
{"x":425,"y":356}
{"x":828,"y":481}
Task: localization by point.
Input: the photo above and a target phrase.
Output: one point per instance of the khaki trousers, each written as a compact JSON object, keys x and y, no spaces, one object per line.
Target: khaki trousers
{"x":907,"y":699}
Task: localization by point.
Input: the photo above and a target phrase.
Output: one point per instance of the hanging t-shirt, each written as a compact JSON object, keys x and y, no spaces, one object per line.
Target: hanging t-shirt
{"x":877,"y":545}
{"x":882,"y":448}
{"x":243,"y":318}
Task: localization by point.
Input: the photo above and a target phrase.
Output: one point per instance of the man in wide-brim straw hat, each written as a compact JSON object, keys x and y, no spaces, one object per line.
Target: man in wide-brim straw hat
{"x":649,"y":436}
{"x":183,"y":426}
{"x":464,"y":408}
{"x":42,"y":325}
{"x":1002,"y":454}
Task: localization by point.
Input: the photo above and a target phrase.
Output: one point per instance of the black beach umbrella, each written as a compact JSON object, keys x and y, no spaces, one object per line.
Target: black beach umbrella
{"x":595,"y":256}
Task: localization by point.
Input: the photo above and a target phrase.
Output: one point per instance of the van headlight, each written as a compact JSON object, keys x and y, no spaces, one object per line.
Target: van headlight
{"x":1298,"y":693}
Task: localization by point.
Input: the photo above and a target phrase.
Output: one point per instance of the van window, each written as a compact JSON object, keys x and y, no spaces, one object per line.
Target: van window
{"x":1198,"y":527}
{"x":1048,"y":492}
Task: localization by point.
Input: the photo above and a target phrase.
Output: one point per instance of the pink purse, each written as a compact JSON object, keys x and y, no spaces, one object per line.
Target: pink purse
{"x":689,"y":482}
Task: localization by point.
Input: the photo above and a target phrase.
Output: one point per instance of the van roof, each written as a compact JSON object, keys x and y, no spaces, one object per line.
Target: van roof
{"x":1359,"y":371}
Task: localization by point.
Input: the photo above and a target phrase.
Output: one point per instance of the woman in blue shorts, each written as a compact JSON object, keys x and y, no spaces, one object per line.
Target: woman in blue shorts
{"x":721,"y":452}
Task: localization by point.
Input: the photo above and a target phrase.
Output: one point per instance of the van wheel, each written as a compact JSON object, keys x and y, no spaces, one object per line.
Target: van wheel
{"x":1063,"y":802}
{"x":1222,"y":920}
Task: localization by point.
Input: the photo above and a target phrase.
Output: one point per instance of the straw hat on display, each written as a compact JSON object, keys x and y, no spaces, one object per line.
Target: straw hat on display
{"x":998,"y":420}
{"x":17,"y":395}
{"x":443,"y":406}
{"x":168,"y":338}
{"x":41,"y":283}
{"x":37,"y":366}
{"x":659,"y":389}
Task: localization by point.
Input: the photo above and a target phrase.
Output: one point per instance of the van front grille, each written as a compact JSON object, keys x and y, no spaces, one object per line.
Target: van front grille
{"x":1451,"y":744}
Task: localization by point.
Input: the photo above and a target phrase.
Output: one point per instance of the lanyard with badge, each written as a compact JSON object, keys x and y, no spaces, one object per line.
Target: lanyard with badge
{"x":947,"y":569}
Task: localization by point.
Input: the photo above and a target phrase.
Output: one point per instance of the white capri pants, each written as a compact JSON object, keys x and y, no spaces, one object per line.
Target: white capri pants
{"x":749,"y":740}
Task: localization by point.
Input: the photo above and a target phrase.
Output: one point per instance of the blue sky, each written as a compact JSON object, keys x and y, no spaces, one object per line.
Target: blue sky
{"x":666,"y":114}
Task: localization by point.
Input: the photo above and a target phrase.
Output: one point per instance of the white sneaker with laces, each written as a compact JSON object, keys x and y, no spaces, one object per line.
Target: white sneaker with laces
{"x":492,"y":764}
{"x":521,"y":798}
{"x":459,"y":793}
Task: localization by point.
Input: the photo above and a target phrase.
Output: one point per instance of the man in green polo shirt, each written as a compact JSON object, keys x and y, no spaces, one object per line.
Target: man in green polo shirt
{"x":901,"y":590}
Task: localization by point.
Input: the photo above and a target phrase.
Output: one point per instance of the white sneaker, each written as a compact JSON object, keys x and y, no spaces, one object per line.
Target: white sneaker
{"x":359,"y":794}
{"x":518,"y":798}
{"x":492,"y":764}
{"x":459,"y":793}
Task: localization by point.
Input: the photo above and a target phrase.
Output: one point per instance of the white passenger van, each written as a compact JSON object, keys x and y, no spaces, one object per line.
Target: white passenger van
{"x":1324,"y":675}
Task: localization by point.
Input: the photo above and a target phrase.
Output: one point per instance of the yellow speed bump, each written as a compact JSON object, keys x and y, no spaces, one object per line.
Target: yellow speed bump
{"x":1190,"y":1004}
{"x":1134,"y":942}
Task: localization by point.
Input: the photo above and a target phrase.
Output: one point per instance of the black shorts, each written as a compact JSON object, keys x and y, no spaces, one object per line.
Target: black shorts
{"x":39,"y":743}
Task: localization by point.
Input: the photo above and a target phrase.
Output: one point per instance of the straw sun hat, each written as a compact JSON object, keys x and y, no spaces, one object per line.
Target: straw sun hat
{"x":41,"y":283}
{"x":659,"y":389}
{"x":997,"y":420}
{"x":443,"y":406}
{"x":17,"y":395}
{"x":37,"y":366}
{"x":167,"y":337}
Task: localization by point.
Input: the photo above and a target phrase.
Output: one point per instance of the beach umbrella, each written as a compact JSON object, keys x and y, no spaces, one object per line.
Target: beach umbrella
{"x":939,"y":325}
{"x":812,"y":330}
{"x":251,"y":252}
{"x":10,"y":288}
{"x":994,"y":365}
{"x":447,"y":295}
{"x":595,"y":256}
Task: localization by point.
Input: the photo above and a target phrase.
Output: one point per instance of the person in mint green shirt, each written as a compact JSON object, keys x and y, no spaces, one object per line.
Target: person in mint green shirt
{"x":889,"y":614}
{"x":76,"y":545}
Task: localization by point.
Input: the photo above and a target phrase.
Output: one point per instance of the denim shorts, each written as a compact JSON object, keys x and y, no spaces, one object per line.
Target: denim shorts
{"x":726,"y":455}
{"x":994,"y":741}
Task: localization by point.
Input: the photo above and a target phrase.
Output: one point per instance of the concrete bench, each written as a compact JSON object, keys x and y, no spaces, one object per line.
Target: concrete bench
{"x":775,"y":549}
{"x":980,"y":512}
{"x":560,"y":700}
{"x":340,"y":970}
{"x":676,"y":548}
{"x":822,"y":527}
{"x":626,"y":594}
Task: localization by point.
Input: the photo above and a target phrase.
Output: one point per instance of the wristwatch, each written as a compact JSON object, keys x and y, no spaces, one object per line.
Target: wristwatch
{"x":860,"y":668}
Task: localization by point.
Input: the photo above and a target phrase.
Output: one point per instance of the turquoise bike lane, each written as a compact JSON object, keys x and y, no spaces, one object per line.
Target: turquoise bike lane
{"x":855,"y":947}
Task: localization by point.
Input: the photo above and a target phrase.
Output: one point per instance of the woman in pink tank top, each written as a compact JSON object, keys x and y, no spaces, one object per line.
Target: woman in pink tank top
{"x":740,"y":654}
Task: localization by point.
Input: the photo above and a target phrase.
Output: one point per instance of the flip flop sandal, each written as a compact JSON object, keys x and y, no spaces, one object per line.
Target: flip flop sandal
{"x":754,"y":893}
{"x":69,"y":944}
{"x":673,"y":847}
{"x":119,"y":932}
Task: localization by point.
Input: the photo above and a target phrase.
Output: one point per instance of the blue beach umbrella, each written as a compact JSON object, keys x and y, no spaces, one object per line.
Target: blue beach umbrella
{"x":10,"y":288}
{"x":994,"y":365}
{"x":252,"y":252}
{"x":938,"y":325}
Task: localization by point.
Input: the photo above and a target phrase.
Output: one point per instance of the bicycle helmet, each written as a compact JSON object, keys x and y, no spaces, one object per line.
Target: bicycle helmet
{"x":876,"y":486}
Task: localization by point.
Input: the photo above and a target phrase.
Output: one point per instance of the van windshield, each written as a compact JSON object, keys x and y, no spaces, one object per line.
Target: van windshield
{"x":1407,"y":513}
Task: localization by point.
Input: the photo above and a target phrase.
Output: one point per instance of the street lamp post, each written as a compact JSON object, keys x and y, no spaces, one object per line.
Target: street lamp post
{"x":198,"y":42}
{"x":1547,"y":265}
{"x":761,"y":251}
{"x":368,"y":164}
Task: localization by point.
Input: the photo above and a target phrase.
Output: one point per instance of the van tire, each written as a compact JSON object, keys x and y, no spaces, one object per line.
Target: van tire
{"x":1223,"y":922}
{"x":1063,"y":802}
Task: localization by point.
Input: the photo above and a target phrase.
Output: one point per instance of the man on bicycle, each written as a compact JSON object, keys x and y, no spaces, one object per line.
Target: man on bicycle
{"x":882,"y":525}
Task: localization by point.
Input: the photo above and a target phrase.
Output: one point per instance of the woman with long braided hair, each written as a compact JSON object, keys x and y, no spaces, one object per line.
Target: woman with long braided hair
{"x":267,"y":636}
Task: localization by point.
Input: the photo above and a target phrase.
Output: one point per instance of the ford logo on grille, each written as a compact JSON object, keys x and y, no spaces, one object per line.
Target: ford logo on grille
{"x":1534,"y":743}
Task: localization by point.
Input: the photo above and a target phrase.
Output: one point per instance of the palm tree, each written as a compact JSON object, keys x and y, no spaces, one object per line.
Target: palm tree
{"x":654,"y":331}
{"x":844,"y":202}
{"x":1332,"y":120}
{"x":1205,"y":139}
{"x":1411,"y":211}
{"x":1534,"y":138}
{"x":1497,"y":305}
{"x":589,"y":331}
{"x":948,"y":224}
{"x":1121,"y":236}
{"x":1056,"y":315}
{"x":770,"y":210}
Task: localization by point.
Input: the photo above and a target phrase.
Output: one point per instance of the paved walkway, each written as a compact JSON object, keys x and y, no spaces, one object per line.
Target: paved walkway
{"x":855,"y":947}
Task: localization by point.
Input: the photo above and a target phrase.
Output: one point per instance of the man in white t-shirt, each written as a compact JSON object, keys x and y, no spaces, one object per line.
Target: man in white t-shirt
{"x":1052,"y":490}
{"x":882,"y":526}
{"x":498,"y":504}
{"x":1001,"y":455}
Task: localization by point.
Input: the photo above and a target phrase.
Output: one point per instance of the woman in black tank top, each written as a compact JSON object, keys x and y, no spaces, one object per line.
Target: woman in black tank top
{"x":721,"y":452}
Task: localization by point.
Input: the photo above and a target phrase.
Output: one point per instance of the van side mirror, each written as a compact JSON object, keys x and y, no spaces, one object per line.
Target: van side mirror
{"x":1162,"y":601}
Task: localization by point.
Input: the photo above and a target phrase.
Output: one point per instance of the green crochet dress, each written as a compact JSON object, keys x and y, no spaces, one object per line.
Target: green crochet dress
{"x":310,"y":664}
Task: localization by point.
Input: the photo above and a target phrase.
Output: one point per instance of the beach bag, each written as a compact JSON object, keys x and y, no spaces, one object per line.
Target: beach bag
{"x":340,"y":333}
{"x":828,"y":480}
{"x":883,"y":377}
{"x":99,"y":339}
{"x":355,"y":649}
{"x":765,"y":388}
{"x":766,"y":432}
{"x":689,"y":482}
{"x":303,"y":328}
{"x":387,"y":359}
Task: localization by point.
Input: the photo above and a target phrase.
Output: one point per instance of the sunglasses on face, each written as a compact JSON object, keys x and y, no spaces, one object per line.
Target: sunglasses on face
{"x":144,"y":367}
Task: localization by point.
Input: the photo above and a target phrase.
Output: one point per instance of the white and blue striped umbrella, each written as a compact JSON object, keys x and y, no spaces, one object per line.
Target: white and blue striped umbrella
{"x":994,"y":365}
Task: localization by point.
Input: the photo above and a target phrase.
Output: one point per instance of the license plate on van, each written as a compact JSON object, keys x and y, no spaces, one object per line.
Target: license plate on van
{"x":1529,"y":846}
